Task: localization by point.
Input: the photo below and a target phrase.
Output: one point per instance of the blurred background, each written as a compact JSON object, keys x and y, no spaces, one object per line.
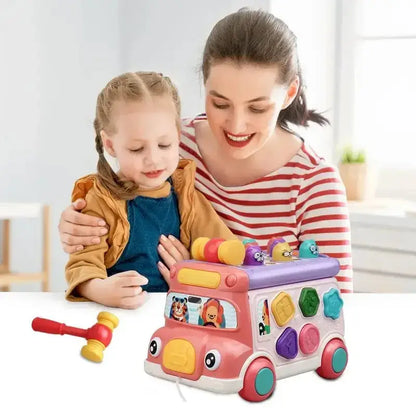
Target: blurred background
{"x":358,"y":60}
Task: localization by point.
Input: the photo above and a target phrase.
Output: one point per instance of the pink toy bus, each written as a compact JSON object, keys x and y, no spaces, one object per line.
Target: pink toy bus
{"x":232,"y":329}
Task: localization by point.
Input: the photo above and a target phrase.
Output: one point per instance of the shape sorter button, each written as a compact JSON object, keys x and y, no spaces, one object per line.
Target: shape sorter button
{"x":287,"y":344}
{"x":283,"y":308}
{"x":309,"y":339}
{"x":309,"y":301}
{"x":332,"y":304}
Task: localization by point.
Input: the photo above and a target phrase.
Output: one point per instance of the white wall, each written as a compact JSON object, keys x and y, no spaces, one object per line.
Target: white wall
{"x":170,"y":36}
{"x":313,"y":22}
{"x":55,"y":58}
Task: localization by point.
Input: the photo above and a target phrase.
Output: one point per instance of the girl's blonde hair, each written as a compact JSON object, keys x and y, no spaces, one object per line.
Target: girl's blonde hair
{"x":128,"y":87}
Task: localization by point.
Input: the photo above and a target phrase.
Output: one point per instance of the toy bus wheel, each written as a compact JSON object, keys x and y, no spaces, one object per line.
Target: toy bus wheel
{"x":259,"y":381}
{"x":334,"y":359}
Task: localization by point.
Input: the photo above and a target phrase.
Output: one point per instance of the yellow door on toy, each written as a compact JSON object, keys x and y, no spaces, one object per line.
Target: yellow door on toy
{"x":179,"y":356}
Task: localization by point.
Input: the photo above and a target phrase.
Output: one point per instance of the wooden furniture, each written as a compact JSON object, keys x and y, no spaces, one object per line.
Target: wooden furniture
{"x":8,"y":212}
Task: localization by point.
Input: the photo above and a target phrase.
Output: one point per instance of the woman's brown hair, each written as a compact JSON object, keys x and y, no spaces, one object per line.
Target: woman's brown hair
{"x":258,"y":37}
{"x":128,"y":87}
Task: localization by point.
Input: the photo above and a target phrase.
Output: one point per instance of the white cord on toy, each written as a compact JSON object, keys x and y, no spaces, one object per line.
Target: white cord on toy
{"x":179,"y":389}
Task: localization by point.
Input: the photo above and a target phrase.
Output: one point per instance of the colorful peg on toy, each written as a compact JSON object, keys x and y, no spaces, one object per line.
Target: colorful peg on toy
{"x":254,"y":256}
{"x":271,"y":243}
{"x":249,"y":242}
{"x":279,"y":249}
{"x":218,"y":250}
{"x":308,"y":249}
{"x":98,"y":336}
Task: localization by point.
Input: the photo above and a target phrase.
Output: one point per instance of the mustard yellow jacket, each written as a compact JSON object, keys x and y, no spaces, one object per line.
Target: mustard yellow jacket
{"x":198,"y":219}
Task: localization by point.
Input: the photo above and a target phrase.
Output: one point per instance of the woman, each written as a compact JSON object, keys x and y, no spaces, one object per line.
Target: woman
{"x":261,"y":177}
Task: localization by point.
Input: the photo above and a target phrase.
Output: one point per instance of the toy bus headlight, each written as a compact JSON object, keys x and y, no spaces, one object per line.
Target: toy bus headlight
{"x":212,"y":360}
{"x":155,"y":347}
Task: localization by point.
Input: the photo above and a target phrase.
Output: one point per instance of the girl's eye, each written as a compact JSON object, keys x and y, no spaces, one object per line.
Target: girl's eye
{"x":220,"y":106}
{"x":165,"y":146}
{"x":257,"y":110}
{"x":140,"y":149}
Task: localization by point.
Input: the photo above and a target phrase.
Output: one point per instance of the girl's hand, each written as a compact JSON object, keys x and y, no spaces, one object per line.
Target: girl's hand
{"x":121,"y":290}
{"x":77,"y":230}
{"x":171,"y":250}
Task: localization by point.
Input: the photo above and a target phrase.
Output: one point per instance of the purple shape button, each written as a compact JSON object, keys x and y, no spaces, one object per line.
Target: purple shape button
{"x":287,"y":344}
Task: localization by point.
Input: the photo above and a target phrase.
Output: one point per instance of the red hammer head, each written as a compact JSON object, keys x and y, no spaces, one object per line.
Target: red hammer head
{"x":99,"y":336}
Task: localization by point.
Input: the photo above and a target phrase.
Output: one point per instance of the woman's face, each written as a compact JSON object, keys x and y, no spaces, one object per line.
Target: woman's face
{"x":243,"y":103}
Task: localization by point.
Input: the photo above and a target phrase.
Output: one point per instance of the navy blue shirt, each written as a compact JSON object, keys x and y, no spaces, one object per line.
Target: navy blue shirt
{"x":149,"y":218}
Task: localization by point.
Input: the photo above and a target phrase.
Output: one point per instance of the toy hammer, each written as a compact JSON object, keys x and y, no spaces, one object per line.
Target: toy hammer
{"x":98,"y":336}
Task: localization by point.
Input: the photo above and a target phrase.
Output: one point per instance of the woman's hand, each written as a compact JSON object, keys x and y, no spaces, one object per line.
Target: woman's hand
{"x":77,"y":230}
{"x":121,"y":290}
{"x":171,"y":250}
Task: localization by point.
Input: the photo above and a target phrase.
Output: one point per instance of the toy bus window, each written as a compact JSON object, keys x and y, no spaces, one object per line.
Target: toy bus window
{"x":199,"y":310}
{"x":263,"y":317}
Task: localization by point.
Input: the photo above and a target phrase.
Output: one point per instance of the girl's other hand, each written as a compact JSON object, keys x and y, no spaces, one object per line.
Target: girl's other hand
{"x":77,"y":230}
{"x":171,"y":250}
{"x":121,"y":290}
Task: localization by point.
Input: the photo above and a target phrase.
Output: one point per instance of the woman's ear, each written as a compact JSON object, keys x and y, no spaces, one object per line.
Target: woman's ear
{"x":291,"y":93}
{"x":107,"y":143}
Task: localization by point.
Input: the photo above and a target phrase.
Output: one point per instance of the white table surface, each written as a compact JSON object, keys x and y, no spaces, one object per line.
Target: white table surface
{"x":45,"y":374}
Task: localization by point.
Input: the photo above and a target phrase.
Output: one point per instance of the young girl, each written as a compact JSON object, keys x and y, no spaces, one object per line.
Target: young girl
{"x":137,"y":122}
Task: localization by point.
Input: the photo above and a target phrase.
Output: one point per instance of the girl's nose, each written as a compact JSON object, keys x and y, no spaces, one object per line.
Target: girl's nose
{"x":152,"y":157}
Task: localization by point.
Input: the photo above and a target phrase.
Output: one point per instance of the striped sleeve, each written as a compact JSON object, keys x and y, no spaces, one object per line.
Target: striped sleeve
{"x":322,"y":215}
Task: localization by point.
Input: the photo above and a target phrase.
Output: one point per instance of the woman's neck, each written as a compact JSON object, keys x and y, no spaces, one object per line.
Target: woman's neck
{"x":237,"y":172}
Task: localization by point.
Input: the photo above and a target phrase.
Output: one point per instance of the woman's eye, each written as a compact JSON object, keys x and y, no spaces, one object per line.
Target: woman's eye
{"x":165,"y":146}
{"x":140,"y":149}
{"x":220,"y":106}
{"x":257,"y":110}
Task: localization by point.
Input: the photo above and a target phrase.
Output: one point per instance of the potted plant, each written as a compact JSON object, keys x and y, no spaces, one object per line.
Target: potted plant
{"x":353,"y":171}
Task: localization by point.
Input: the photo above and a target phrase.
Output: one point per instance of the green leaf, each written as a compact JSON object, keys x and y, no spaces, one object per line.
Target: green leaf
{"x":350,"y":156}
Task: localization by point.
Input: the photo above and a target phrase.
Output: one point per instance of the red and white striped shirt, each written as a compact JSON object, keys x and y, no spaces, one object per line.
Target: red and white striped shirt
{"x":303,"y":199}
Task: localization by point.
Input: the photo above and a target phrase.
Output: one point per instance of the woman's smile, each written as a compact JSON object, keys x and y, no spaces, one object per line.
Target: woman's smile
{"x":238,"y":140}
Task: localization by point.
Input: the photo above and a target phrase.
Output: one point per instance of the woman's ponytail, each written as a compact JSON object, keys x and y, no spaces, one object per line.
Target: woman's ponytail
{"x":298,"y":113}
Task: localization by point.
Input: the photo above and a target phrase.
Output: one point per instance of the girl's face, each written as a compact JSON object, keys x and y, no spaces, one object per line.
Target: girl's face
{"x":243,"y":103}
{"x":146,"y":142}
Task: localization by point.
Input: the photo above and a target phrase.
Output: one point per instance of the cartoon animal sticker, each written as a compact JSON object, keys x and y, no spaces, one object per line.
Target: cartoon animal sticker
{"x":212,"y":313}
{"x":179,"y":309}
{"x":264,"y":325}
